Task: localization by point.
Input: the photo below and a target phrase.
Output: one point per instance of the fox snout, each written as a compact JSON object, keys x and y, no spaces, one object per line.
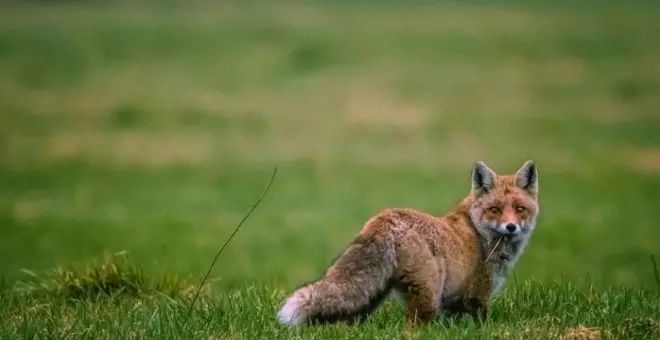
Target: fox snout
{"x":509,"y":228}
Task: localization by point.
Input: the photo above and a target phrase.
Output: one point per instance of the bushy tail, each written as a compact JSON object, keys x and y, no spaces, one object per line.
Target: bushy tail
{"x":351,"y":288}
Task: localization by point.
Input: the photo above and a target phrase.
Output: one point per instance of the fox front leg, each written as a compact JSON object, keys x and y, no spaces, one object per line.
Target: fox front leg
{"x":478,"y":309}
{"x":472,"y":307}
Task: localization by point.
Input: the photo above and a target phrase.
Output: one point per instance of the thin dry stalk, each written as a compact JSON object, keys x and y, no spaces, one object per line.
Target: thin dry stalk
{"x":655,"y":270}
{"x":217,"y":255}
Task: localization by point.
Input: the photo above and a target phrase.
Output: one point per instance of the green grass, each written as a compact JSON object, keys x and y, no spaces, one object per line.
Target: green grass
{"x":548,"y":310}
{"x":150,"y":130}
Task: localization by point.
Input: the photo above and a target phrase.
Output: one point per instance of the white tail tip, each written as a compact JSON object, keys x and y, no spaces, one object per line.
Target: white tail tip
{"x":290,"y":314}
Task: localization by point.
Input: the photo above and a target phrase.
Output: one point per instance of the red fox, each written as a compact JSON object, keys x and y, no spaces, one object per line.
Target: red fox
{"x":439,"y":265}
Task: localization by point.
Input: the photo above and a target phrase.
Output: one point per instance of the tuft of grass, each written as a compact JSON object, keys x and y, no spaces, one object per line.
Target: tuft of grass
{"x":116,"y":275}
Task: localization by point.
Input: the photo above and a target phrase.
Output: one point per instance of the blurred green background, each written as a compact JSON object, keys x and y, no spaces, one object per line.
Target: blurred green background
{"x":152,"y":128}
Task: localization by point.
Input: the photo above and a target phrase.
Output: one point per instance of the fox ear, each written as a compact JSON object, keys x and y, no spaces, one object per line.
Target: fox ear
{"x":483,"y":178}
{"x":527,"y":178}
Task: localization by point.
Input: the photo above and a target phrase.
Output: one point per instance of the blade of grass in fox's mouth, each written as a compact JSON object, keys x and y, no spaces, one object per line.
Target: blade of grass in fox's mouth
{"x":492,"y":251}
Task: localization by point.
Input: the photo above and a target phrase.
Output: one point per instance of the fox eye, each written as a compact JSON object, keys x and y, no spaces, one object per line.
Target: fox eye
{"x":520,"y":209}
{"x":494,"y":210}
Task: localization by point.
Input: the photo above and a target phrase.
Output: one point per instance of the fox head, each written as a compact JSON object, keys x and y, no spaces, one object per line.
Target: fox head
{"x":505,"y":205}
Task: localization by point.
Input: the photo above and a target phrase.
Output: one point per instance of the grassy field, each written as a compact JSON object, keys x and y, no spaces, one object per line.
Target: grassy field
{"x":151,"y":132}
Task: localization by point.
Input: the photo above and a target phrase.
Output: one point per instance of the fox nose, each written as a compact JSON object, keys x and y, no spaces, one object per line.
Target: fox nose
{"x":511,"y":227}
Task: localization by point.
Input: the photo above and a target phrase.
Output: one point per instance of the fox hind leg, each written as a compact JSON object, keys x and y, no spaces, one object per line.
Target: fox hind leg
{"x":420,"y":281}
{"x":421,"y":304}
